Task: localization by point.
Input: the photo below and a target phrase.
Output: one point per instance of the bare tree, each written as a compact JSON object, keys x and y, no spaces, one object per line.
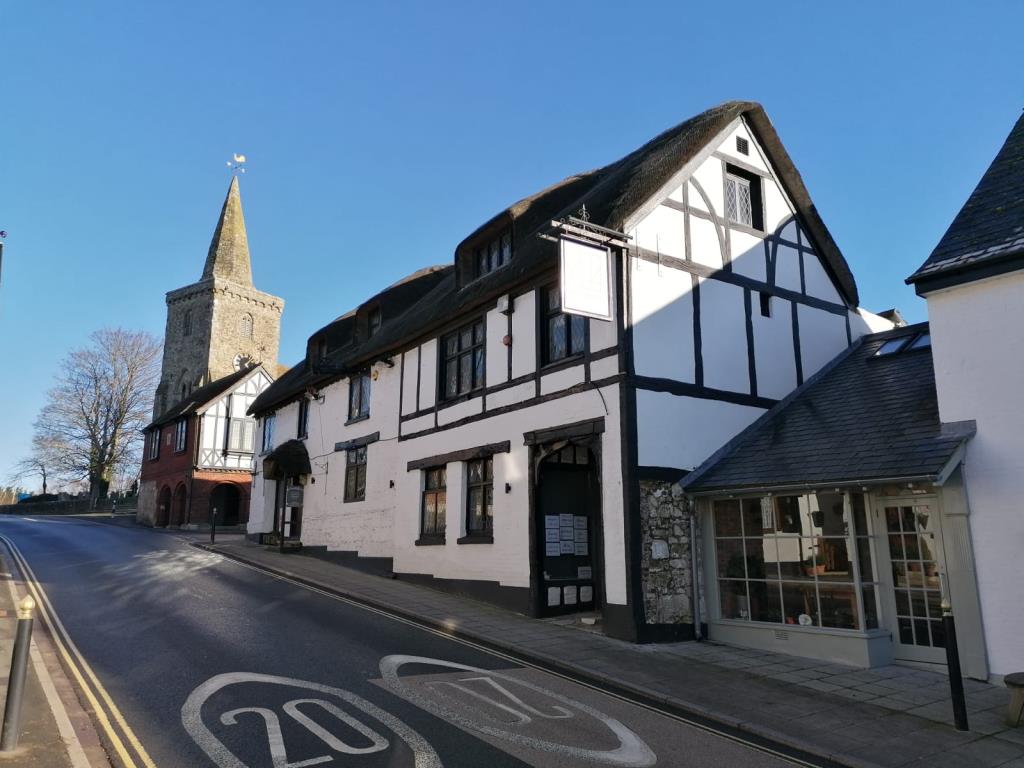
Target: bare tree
{"x":41,"y":462}
{"x":99,"y":406}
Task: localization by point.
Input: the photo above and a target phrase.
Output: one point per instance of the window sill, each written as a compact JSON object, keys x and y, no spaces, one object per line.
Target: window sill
{"x":357,"y":419}
{"x":811,"y":630}
{"x":476,"y":538}
{"x":740,"y":226}
{"x":430,"y":541}
{"x":353,"y":501}
{"x":463,"y":398}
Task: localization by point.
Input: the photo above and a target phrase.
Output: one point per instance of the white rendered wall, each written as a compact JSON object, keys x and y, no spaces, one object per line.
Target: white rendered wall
{"x":822,"y":337}
{"x":683,"y":431}
{"x":662,"y":321}
{"x":723,"y":324}
{"x":977,"y":337}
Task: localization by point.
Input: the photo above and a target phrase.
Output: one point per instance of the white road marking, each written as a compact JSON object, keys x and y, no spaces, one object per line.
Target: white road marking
{"x":632,"y":752}
{"x":424,"y":755}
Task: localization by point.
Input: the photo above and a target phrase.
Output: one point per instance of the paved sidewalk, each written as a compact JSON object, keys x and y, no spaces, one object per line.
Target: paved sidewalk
{"x":889,"y":716}
{"x":40,"y":744}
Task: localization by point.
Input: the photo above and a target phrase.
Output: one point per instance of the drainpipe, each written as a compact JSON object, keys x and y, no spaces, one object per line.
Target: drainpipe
{"x":695,"y":580}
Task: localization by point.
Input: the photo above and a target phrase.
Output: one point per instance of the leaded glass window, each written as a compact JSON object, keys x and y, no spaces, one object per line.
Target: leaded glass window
{"x":355,"y":474}
{"x":462,"y":368}
{"x":738,"y":207}
{"x":564,"y":335}
{"x":480,"y":496}
{"x":434,"y":504}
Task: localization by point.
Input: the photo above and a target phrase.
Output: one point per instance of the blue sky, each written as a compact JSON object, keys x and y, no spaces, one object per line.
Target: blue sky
{"x":379,"y":134}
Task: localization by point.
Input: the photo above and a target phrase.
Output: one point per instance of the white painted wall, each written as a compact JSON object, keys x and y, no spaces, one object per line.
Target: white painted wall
{"x":683,"y":431}
{"x":723,"y":323}
{"x":822,"y":337}
{"x":662,"y":321}
{"x":977,"y":335}
{"x":774,"y":351}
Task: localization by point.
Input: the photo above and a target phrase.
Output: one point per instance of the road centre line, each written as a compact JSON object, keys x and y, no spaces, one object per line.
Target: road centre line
{"x":76,"y":662}
{"x":721,"y":732}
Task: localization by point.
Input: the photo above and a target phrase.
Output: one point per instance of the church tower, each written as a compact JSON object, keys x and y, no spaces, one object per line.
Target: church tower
{"x":221,"y":323}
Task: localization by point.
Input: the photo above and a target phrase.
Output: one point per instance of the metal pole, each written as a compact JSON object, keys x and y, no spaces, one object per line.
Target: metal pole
{"x":956,"y":681}
{"x":213,"y":525}
{"x":16,"y":681}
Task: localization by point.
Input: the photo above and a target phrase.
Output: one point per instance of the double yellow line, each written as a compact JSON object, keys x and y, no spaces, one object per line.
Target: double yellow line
{"x":125,"y":743}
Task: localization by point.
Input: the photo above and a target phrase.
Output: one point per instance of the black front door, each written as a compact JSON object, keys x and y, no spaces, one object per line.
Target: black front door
{"x":568,"y":531}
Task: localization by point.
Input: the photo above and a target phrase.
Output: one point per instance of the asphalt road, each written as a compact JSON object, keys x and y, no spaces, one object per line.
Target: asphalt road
{"x":214,"y":663}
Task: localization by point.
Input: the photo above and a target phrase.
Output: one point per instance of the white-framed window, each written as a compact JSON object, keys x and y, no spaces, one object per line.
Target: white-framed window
{"x":240,"y":435}
{"x":154,"y":444}
{"x":268,"y":432}
{"x":738,"y":205}
{"x":180,"y":435}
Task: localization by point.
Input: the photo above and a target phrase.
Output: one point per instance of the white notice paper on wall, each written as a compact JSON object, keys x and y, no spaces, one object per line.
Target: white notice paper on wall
{"x":586,"y":594}
{"x":586,"y":279}
{"x":567,"y":547}
{"x":579,"y":549}
{"x":554,"y":595}
{"x":570,"y":595}
{"x":580,"y":522}
{"x":551,"y":521}
{"x":565,"y":533}
{"x":584,"y":572}
{"x":551,"y":549}
{"x":581,"y":536}
{"x":551,"y":534}
{"x":564,"y":520}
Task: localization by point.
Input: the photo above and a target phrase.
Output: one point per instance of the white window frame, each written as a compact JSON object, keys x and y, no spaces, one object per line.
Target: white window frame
{"x":180,"y":435}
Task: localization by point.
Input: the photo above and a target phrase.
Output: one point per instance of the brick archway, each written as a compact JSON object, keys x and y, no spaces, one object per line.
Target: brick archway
{"x":177,"y":516}
{"x":163,"y":508}
{"x":227,"y":500}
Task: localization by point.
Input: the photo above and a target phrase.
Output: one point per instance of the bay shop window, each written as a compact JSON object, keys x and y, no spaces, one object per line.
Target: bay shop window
{"x":796,"y":560}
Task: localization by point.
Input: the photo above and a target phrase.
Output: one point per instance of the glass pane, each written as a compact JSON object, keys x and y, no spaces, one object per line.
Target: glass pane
{"x":896,"y":547}
{"x":554,"y":298}
{"x":931,"y":576}
{"x":892,"y":519}
{"x":934,"y":600}
{"x":733,"y":596}
{"x":465,"y":373}
{"x":350,"y":484}
{"x":582,"y":455}
{"x":488,"y":469}
{"x":906,"y":633}
{"x":899,"y":575}
{"x":870,"y":608}
{"x":441,"y":505}
{"x":754,"y":518}
{"x":474,"y":472}
{"x":465,"y":338}
{"x":827,"y":514}
{"x":365,"y":399}
{"x":915,"y":574}
{"x":796,"y":558}
{"x":902,"y":602}
{"x":481,"y":263}
{"x":765,"y":604}
{"x":787,"y":513}
{"x":506,"y":248}
{"x":910,"y":545}
{"x":799,"y":604}
{"x":754,"y":549}
{"x":917,"y":608}
{"x":451,"y":345}
{"x":730,"y":558}
{"x":838,"y":606}
{"x":476,"y":508}
{"x":567,"y":455}
{"x":579,"y":334}
{"x":488,"y":505}
{"x":451,"y":378}
{"x":478,"y":367}
{"x":556,"y":338}
{"x":744,"y":203}
{"x":727,"y":518}
{"x":921,"y":636}
{"x":769,"y":553}
{"x":429,"y":512}
{"x":730,"y":198}
{"x":938,"y":634}
{"x":442,"y":477}
{"x":835,"y":559}
{"x":478,"y":333}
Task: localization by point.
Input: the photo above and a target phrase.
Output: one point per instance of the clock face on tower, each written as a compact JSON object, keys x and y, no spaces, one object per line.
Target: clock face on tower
{"x":242,"y":361}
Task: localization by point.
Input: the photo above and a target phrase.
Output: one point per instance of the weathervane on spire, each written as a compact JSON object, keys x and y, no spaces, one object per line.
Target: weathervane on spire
{"x":237,"y":164}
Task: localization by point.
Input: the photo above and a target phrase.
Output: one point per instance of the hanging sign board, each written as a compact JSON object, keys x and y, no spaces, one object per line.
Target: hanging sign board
{"x":293,"y":496}
{"x":586,"y":279}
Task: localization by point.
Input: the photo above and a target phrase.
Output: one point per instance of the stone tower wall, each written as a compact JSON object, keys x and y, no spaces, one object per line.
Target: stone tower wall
{"x":231,"y":304}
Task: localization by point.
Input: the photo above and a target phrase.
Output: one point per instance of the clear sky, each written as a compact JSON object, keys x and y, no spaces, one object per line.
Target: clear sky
{"x":380,"y":134}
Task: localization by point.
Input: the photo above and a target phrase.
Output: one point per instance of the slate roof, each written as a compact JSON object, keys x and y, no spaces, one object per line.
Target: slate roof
{"x":611,"y":194}
{"x":861,"y":418}
{"x":988,"y":232}
{"x":199,"y":397}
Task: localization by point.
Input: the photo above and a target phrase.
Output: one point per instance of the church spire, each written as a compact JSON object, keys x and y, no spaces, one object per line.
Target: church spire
{"x":228,"y":257}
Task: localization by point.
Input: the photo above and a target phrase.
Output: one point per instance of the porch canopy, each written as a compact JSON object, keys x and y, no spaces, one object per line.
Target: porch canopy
{"x":870,"y":416}
{"x":288,"y":459}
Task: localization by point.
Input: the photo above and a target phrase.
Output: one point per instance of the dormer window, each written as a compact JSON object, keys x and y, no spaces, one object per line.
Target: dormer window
{"x":321,"y":349}
{"x":373,"y":321}
{"x":494,"y":254}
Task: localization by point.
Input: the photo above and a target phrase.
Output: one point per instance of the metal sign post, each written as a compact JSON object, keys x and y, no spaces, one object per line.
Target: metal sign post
{"x":213,"y":525}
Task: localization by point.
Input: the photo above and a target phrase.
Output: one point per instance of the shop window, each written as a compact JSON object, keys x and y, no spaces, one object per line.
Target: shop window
{"x":434,"y":504}
{"x":355,"y":474}
{"x":796,"y":560}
